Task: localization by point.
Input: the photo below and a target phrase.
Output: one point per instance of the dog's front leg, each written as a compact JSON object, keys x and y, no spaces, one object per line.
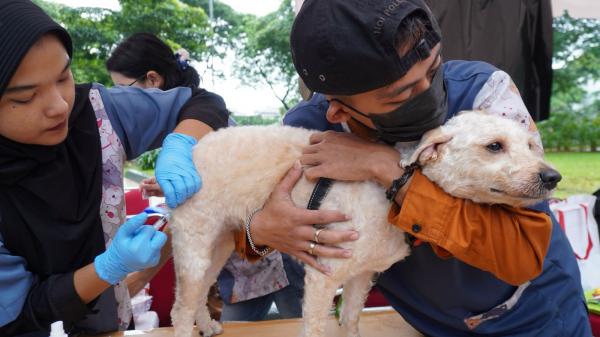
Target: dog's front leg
{"x":355,"y":294}
{"x":319,"y":291}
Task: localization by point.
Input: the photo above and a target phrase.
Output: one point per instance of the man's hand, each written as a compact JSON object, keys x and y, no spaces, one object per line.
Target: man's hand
{"x":343,"y":156}
{"x":287,"y":228}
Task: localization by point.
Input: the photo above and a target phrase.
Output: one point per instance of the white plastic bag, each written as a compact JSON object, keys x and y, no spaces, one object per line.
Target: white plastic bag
{"x":576,"y":217}
{"x":143,"y":318}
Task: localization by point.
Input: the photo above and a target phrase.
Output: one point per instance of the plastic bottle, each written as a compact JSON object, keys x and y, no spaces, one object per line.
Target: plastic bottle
{"x":56,"y":330}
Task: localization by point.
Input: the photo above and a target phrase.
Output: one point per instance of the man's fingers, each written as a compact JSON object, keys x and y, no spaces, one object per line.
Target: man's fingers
{"x":317,"y":137}
{"x":323,"y":217}
{"x":311,"y":149}
{"x":334,"y":237}
{"x":315,"y":172}
{"x":312,"y":261}
{"x":331,"y":252}
{"x":311,"y":159}
{"x":291,"y":178}
{"x":326,"y":236}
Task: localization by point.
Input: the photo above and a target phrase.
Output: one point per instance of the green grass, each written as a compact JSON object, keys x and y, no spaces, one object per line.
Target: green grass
{"x":580,"y":171}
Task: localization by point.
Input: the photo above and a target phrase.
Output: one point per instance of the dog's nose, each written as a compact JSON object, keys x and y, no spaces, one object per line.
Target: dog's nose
{"x":550,"y":178}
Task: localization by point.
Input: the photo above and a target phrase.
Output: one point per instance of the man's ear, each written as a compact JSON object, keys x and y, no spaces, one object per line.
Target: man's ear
{"x":336,"y":113}
{"x":428,"y":149}
{"x":154,"y":79}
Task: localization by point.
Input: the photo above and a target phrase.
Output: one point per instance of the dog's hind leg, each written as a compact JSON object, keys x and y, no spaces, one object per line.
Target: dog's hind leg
{"x":354,"y":296}
{"x":222,"y":251}
{"x":319,"y":291}
{"x":193,"y":242}
{"x":187,"y":293}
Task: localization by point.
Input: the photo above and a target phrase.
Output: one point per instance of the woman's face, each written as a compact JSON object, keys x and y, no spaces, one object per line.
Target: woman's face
{"x":152,"y":79}
{"x":36,"y":105}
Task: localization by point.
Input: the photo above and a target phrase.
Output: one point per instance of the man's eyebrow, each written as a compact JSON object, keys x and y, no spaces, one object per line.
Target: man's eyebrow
{"x":399,"y":90}
{"x":32,"y":86}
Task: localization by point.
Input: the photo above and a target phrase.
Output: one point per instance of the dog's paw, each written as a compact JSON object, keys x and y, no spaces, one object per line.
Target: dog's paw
{"x":214,"y":328}
{"x":350,"y":328}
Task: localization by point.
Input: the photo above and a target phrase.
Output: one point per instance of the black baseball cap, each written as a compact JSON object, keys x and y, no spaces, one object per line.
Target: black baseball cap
{"x":346,"y":47}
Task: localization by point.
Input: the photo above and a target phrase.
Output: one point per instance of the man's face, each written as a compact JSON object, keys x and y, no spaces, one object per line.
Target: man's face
{"x":394,"y":95}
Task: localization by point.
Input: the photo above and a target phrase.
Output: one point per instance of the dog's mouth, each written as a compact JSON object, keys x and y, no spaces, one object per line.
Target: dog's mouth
{"x":518,"y":196}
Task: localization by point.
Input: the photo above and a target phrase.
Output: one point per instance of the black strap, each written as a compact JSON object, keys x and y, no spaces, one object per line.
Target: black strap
{"x":320,"y":191}
{"x":397,"y":184}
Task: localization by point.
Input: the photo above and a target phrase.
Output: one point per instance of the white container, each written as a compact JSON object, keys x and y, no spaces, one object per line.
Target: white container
{"x":57,"y":330}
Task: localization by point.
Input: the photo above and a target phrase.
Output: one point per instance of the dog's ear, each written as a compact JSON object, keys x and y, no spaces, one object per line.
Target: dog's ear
{"x":428,"y":148}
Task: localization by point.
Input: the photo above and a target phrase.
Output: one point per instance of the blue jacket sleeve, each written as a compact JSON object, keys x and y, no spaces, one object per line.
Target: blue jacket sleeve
{"x":15,"y":282}
{"x":29,"y":304}
{"x":142,"y":117}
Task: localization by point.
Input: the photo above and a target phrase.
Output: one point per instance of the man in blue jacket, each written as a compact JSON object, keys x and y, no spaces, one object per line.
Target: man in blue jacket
{"x":353,"y":52}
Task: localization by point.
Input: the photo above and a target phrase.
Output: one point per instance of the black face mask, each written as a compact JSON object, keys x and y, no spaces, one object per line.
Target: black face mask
{"x":410,"y":121}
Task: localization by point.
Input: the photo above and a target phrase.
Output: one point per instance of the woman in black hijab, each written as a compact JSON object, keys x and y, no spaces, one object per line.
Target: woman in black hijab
{"x":63,"y":253}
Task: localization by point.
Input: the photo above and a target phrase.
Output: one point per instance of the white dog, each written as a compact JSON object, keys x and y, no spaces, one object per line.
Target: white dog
{"x":476,"y":156}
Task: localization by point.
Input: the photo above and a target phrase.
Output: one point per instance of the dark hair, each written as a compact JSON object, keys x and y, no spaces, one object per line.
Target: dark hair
{"x":410,"y":31}
{"x":142,"y":52}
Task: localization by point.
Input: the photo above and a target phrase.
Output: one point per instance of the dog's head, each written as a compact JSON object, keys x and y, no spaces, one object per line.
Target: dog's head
{"x":487,"y":159}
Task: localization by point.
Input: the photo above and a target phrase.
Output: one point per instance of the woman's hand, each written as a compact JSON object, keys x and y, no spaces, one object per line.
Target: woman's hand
{"x":175,"y":170}
{"x":343,"y":156}
{"x":287,"y":228}
{"x":135,"y":247}
{"x":137,"y":280}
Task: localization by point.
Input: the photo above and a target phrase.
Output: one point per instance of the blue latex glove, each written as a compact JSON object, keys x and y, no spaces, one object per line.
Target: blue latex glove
{"x":175,"y":171}
{"x":135,"y":247}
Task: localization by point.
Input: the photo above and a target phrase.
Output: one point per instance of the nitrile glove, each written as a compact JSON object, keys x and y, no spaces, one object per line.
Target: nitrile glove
{"x":175,"y":171}
{"x":135,"y":247}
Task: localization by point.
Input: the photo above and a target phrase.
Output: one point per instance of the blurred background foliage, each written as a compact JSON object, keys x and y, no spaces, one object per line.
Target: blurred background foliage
{"x":262,"y":57}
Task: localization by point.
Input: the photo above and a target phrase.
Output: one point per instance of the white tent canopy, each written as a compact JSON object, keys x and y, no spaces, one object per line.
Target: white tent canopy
{"x":576,"y":8}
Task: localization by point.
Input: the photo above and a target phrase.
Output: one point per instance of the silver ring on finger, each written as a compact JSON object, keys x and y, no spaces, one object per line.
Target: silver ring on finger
{"x":317,"y":232}
{"x":311,"y":249}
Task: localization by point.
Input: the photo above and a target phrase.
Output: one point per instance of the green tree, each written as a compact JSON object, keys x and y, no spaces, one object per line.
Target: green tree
{"x":265,"y":56}
{"x":93,"y":34}
{"x":575,"y":104}
{"x":96,"y":31}
{"x":255,"y":120}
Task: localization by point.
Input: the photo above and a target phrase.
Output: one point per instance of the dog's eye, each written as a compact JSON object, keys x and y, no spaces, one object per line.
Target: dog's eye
{"x":494,"y":147}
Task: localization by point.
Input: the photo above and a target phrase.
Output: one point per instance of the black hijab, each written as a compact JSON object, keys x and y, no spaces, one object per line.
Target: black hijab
{"x":49,"y":195}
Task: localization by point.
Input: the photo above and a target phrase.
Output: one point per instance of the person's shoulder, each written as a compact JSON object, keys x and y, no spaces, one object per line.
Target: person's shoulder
{"x":205,"y":94}
{"x":308,"y":114}
{"x":200,"y":95}
{"x":458,"y":70}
